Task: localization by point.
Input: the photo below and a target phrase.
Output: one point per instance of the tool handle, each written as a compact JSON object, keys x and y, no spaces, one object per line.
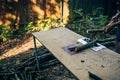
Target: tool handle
{"x":80,"y":48}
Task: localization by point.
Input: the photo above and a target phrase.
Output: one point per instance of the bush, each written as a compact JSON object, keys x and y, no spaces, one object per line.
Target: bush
{"x":89,"y":21}
{"x":5,"y":33}
{"x":43,"y":24}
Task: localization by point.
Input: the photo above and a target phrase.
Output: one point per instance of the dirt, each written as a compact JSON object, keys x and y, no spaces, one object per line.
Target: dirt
{"x":15,"y":52}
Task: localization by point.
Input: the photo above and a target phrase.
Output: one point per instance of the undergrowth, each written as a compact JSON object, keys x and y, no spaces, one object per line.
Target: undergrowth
{"x":43,"y":24}
{"x":78,"y":22}
{"x":83,"y":22}
{"x":5,"y":33}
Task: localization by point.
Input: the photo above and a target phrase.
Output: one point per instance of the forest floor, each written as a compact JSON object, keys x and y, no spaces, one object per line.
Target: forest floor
{"x":18,"y":51}
{"x":15,"y":52}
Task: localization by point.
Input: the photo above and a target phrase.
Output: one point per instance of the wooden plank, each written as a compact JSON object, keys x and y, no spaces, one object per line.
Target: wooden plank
{"x":104,"y":63}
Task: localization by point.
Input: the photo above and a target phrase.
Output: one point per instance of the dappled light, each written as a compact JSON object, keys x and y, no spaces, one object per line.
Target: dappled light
{"x":39,"y":13}
{"x":66,"y":11}
{"x":53,"y":9}
{"x":22,"y":47}
{"x":37,"y":9}
{"x":11,"y":17}
{"x":33,"y":1}
{"x":18,"y":14}
{"x":20,"y":11}
{"x":8,"y":12}
{"x":1,"y":22}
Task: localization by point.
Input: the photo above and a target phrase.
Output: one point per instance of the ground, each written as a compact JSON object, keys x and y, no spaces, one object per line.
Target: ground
{"x":17,"y":51}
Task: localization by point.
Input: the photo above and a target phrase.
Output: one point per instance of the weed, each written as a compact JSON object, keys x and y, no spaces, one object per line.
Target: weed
{"x":5,"y":33}
{"x":43,"y":24}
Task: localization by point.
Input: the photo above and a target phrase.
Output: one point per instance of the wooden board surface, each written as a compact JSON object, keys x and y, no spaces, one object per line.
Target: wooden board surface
{"x":104,"y":63}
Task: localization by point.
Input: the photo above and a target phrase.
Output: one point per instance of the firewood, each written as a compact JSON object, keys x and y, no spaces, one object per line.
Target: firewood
{"x":49,"y":63}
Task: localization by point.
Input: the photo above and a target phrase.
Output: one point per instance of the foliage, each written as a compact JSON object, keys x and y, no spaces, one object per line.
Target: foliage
{"x":5,"y":33}
{"x":103,"y":20}
{"x":89,"y":21}
{"x":74,"y":11}
{"x":78,"y":22}
{"x":75,"y":15}
{"x":40,"y":25}
{"x":96,"y":12}
{"x":43,"y":24}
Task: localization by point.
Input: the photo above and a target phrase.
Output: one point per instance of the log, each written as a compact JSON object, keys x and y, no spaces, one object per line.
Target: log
{"x":106,"y":40}
{"x":29,"y":68}
{"x":43,"y":58}
{"x":16,"y":77}
{"x":24,"y":63}
{"x":31,"y":61}
{"x":95,"y":31}
{"x":6,"y":73}
{"x":43,"y":51}
{"x":49,"y":63}
{"x":24,"y":70}
{"x":108,"y":44}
